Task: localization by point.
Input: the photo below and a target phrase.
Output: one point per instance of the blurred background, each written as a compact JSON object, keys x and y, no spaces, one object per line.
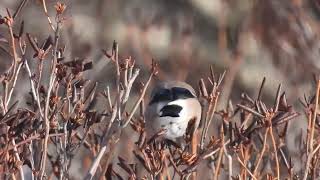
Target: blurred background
{"x":249,"y":39}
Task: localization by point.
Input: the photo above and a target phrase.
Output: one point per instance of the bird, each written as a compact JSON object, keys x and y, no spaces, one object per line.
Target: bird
{"x":173,"y":106}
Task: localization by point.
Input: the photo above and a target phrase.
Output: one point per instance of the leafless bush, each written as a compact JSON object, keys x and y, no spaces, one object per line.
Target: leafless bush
{"x":61,"y":118}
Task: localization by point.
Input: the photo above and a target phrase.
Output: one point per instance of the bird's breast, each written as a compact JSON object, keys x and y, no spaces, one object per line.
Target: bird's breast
{"x":172,"y":116}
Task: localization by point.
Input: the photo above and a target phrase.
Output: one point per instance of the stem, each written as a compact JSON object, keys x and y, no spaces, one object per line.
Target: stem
{"x":14,"y":65}
{"x":46,"y":122}
{"x":96,"y":163}
{"x":262,"y":151}
{"x":139,"y":101}
{"x":243,"y":165}
{"x":310,"y":150}
{"x":217,"y":170}
{"x":16,"y":154}
{"x":275,"y":152}
{"x":48,"y":17}
{"x":229,"y":161}
{"x":13,"y":84}
{"x":33,"y":89}
{"x":13,"y":47}
{"x":210,"y":113}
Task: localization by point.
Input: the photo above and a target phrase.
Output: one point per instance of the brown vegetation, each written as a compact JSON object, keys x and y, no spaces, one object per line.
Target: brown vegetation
{"x":63,"y":118}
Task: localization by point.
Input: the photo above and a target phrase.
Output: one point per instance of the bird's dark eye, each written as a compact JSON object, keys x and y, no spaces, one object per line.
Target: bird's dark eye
{"x":181,"y":93}
{"x":161,"y":95}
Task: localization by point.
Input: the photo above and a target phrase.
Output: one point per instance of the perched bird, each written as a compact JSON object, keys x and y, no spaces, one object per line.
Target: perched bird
{"x":173,"y":106}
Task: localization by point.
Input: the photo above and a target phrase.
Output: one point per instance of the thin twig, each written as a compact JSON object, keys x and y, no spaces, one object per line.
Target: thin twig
{"x":262,"y":151}
{"x":46,"y":122}
{"x":209,"y":115}
{"x":229,"y":161}
{"x":37,"y":136}
{"x":13,"y":44}
{"x":33,"y":88}
{"x":275,"y":152}
{"x":95,"y":164}
{"x":129,"y":86}
{"x":46,"y":13}
{"x":215,"y":151}
{"x":138,"y":101}
{"x":217,"y":169}
{"x":14,"y":69}
{"x":310,"y":150}
{"x":250,"y":110}
{"x":244,"y":166}
{"x":16,"y":154}
{"x":13,"y":84}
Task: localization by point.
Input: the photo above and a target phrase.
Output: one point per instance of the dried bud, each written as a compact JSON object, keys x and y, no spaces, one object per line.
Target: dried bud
{"x":154,"y":67}
{"x":131,"y":61}
{"x":7,"y":20}
{"x":60,"y":7}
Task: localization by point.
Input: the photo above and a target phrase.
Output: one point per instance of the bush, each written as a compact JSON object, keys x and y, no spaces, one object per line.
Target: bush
{"x":67,"y":116}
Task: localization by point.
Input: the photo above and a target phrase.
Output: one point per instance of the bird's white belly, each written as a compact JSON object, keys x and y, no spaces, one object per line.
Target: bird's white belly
{"x":174,"y":126}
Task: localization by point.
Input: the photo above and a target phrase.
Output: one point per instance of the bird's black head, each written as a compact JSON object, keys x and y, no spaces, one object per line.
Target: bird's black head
{"x":170,"y":92}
